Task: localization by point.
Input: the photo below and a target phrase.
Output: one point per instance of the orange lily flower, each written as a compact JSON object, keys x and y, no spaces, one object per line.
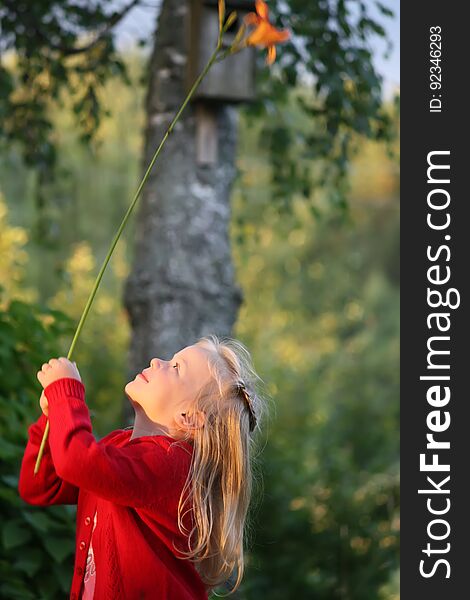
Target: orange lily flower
{"x":265,"y":34}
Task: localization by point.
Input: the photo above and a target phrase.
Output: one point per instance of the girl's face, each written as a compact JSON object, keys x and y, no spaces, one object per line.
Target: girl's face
{"x":166,"y":389}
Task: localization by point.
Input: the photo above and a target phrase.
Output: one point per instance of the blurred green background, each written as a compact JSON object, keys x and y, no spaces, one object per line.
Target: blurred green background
{"x":321,"y":318}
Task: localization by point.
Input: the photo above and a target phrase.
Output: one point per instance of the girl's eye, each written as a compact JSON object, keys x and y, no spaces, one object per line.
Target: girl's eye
{"x":176,"y":365}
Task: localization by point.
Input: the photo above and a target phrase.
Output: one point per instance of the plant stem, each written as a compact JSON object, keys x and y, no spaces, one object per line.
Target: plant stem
{"x":123,"y":224}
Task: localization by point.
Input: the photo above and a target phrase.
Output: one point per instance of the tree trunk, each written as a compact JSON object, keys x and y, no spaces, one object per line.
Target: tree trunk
{"x":181,"y":284}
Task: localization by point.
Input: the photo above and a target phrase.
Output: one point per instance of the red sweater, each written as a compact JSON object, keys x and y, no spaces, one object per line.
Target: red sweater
{"x":134,"y":485}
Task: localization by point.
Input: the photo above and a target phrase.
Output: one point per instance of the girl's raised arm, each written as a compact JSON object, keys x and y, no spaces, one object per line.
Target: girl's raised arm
{"x":136,"y":475}
{"x":46,"y":487}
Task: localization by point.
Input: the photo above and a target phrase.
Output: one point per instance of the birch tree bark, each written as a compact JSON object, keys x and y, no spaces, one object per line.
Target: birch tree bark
{"x":181,"y":284}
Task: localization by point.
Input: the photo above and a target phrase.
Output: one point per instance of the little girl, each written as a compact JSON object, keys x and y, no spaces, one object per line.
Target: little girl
{"x":161,"y":506}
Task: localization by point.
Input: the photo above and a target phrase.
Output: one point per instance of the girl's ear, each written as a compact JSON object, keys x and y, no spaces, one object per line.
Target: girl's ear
{"x":189,"y":421}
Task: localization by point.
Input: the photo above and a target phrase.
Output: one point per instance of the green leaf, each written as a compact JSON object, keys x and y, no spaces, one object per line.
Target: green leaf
{"x":15,"y":590}
{"x":8,"y":450}
{"x":15,"y":534}
{"x":48,"y":585}
{"x":11,"y":480}
{"x":38,"y":520}
{"x":384,"y":9}
{"x":29,"y":561}
{"x":64,"y":577}
{"x":59,"y":548}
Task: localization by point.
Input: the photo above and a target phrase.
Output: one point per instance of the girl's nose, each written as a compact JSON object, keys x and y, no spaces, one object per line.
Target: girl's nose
{"x":154,"y":362}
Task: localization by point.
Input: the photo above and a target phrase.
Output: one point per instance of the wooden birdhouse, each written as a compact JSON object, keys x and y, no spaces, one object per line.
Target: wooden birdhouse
{"x":229,"y":81}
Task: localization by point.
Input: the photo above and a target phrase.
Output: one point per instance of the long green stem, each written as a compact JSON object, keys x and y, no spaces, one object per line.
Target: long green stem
{"x":123,"y":224}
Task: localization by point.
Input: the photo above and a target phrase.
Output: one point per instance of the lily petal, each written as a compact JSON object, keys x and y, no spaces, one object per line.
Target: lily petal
{"x":262,"y":9}
{"x":252,"y":19}
{"x":266,"y":35}
{"x":271,"y":57}
{"x":259,"y":34}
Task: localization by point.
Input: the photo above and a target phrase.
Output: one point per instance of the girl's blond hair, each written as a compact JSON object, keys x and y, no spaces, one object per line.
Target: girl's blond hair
{"x":223,"y":468}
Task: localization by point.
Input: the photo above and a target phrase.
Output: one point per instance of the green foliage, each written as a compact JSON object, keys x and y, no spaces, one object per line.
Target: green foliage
{"x":91,"y":188}
{"x":330,"y":58}
{"x":57,"y":45}
{"x":321,"y":316}
{"x":330,"y":47}
{"x":36,"y":543}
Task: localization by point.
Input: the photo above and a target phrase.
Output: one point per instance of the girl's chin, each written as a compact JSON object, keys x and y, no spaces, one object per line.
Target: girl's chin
{"x":128,"y":387}
{"x":135,"y":380}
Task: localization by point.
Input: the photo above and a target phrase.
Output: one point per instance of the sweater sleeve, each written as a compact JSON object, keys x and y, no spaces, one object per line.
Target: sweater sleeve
{"x":133,"y":475}
{"x":46,"y":487}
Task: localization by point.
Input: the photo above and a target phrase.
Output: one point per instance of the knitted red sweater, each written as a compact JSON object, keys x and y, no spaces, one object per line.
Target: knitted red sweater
{"x":134,"y":485}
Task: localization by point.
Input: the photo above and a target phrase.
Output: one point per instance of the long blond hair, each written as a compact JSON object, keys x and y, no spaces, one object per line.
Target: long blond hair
{"x":224,"y":468}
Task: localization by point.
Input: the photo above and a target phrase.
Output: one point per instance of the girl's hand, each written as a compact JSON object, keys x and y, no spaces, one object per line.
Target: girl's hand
{"x":44,"y":404}
{"x":57,"y":368}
